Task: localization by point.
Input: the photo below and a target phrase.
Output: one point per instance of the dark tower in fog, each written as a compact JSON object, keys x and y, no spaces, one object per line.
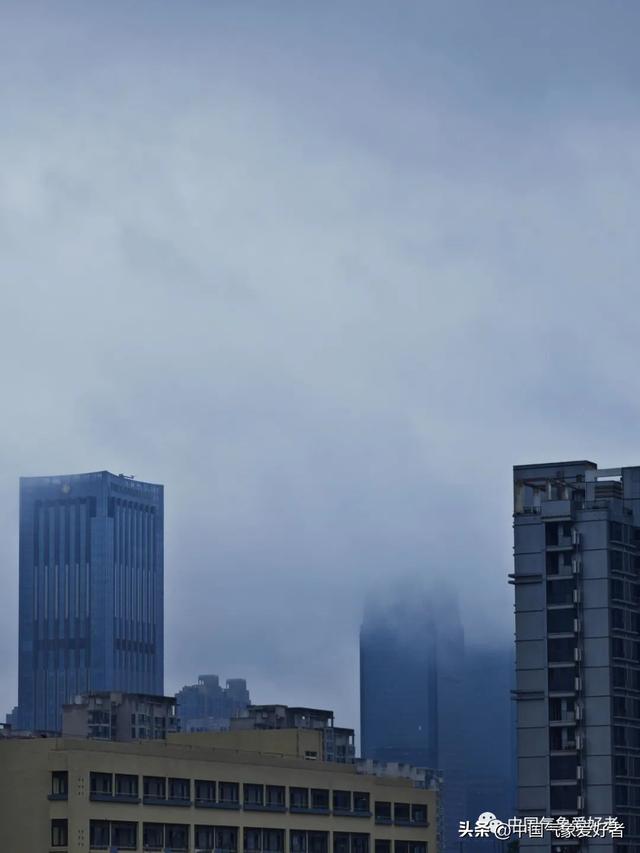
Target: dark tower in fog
{"x":412,"y":692}
{"x":91,"y":591}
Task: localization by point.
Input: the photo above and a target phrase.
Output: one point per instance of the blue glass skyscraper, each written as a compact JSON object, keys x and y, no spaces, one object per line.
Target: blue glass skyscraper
{"x":91,"y":591}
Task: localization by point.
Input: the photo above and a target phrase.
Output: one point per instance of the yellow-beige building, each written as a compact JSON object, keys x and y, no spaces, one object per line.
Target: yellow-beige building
{"x":228,"y":792}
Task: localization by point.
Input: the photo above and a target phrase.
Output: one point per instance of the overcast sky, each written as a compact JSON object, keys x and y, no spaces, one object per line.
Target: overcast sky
{"x":327,"y":270}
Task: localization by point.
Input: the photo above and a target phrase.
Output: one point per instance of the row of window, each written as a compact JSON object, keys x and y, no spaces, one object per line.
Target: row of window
{"x":124,"y":835}
{"x":628,"y":795}
{"x":623,"y":590}
{"x":208,"y":793}
{"x":626,"y":736}
{"x":625,"y":620}
{"x":626,"y":677}
{"x":627,"y":765}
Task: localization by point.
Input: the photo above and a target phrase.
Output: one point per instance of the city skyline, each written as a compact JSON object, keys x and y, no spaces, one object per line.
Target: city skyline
{"x":327,"y":271}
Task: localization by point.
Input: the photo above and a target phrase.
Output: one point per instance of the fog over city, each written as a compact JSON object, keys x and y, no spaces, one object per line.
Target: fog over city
{"x":326,"y":270}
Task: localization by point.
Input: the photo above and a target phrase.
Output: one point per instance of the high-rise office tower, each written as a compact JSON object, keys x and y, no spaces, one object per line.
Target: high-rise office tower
{"x":91,"y":591}
{"x":577,"y":595}
{"x":412,"y":692}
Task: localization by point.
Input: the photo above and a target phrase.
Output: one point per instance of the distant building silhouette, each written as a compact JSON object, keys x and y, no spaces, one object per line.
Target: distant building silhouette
{"x":412,"y":693}
{"x":206,"y":706}
{"x":91,"y":591}
{"x":489,"y":746}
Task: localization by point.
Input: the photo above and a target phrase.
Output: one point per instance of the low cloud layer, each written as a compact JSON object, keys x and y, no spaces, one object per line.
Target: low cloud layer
{"x":326,"y":271}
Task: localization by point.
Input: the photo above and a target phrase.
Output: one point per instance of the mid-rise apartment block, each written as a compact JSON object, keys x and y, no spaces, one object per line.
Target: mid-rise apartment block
{"x":120,"y":716}
{"x":188,"y":794}
{"x":337,"y":743}
{"x":577,"y":602}
{"x":91,"y":591}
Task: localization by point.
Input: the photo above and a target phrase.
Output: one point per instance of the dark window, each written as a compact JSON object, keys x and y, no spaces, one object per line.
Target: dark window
{"x":401,"y":812}
{"x":253,"y":795}
{"x":382,"y":810}
{"x":419,"y":813}
{"x":59,"y":833}
{"x":275,"y":795}
{"x":360,"y":801}
{"x":153,"y":835}
{"x":563,"y":767}
{"x":340,"y":842}
{"x":297,"y":841}
{"x":319,"y":798}
{"x":101,"y":783}
{"x":252,"y":840}
{"x":126,"y":785}
{"x":561,"y":649}
{"x":317,"y":842}
{"x":155,"y":787}
{"x":229,"y":792}
{"x":59,"y":783}
{"x":272,"y":840}
{"x":382,"y":846}
{"x":342,"y":801}
{"x":226,"y":839}
{"x":560,"y":621}
{"x":615,"y":561}
{"x":615,"y":531}
{"x":562,"y":679}
{"x":551,"y":533}
{"x":299,"y":798}
{"x":205,"y":837}
{"x":564,"y":797}
{"x":99,"y":835}
{"x":401,"y":847}
{"x":359,"y":842}
{"x":205,"y":791}
{"x":560,"y":591}
{"x":124,"y":834}
{"x":179,"y":789}
{"x":418,"y":847}
{"x":176,"y":836}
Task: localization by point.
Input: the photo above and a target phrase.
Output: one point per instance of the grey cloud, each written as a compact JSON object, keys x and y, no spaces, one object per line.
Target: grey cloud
{"x":327,"y":272}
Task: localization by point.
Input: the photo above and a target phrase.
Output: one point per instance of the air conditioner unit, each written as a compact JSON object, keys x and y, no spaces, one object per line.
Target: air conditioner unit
{"x":580,"y":772}
{"x":576,"y":565}
{"x":580,"y":802}
{"x":577,"y":626}
{"x":577,"y":655}
{"x":576,"y":596}
{"x":579,"y":741}
{"x":579,"y":712}
{"x":575,"y":536}
{"x":578,"y":684}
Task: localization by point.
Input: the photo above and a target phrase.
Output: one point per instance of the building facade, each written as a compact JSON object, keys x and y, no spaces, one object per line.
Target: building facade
{"x":120,"y":716}
{"x":207,"y":706}
{"x":577,"y":601}
{"x":337,"y":742}
{"x":412,"y":694}
{"x":91,"y":591}
{"x":76,"y":796}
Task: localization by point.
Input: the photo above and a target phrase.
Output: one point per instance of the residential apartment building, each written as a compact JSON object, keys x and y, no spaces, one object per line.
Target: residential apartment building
{"x":337,"y":742}
{"x":577,"y":602}
{"x":90,"y":591}
{"x":120,"y":716}
{"x":189,"y":794}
